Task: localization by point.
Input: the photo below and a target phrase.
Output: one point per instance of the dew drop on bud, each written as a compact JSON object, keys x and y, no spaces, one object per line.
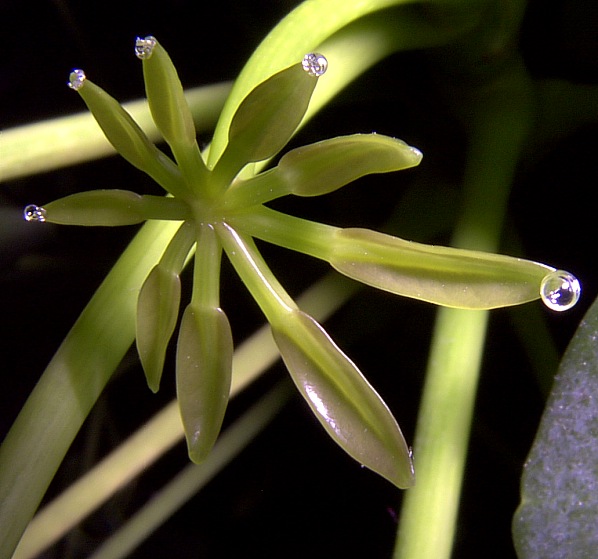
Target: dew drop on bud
{"x":314,"y":64}
{"x":76,"y":79}
{"x":560,"y":290}
{"x":144,"y":47}
{"x":34,"y":213}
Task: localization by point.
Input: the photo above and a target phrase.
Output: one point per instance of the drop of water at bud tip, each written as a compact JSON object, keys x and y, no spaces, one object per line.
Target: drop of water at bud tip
{"x":560,"y":290}
{"x":314,"y":64}
{"x":34,"y":213}
{"x":76,"y":79}
{"x":144,"y":47}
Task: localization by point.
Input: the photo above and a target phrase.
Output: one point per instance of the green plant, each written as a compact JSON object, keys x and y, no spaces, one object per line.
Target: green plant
{"x":503,"y":140}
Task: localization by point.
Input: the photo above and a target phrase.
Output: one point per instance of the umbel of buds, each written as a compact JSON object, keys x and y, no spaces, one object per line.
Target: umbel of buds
{"x":222,"y":209}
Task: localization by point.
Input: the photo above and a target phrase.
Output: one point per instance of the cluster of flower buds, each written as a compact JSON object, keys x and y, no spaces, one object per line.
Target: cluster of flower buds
{"x":222,"y":209}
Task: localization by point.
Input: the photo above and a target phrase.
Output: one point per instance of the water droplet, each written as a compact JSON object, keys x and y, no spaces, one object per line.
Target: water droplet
{"x":314,"y":64}
{"x":144,"y":47}
{"x":560,"y":290}
{"x":76,"y":79}
{"x":34,"y":213}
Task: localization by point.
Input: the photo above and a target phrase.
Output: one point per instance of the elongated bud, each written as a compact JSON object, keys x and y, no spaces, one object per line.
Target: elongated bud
{"x":325,"y":166}
{"x":112,"y":207}
{"x":442,"y":275}
{"x":157,"y":311}
{"x":344,"y":402}
{"x":267,"y":118}
{"x":124,"y":133}
{"x":203,"y":376}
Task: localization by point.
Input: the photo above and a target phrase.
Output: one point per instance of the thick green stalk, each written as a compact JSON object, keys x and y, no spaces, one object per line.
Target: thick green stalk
{"x":501,"y":119}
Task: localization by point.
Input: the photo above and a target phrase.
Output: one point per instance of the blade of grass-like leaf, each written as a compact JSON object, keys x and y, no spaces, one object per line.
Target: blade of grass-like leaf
{"x":152,"y":440}
{"x":77,"y":374}
{"x":558,"y":514}
{"x":190,"y":480}
{"x":295,"y":36}
{"x":56,"y":143}
{"x":499,"y":127}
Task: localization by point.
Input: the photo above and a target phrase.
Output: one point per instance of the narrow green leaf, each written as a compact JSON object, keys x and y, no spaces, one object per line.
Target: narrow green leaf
{"x":328,"y":165}
{"x":266,"y":119}
{"x":558,"y":514}
{"x":344,"y":402}
{"x":203,"y":376}
{"x":157,"y":311}
{"x":113,"y":207}
{"x":441,"y":275}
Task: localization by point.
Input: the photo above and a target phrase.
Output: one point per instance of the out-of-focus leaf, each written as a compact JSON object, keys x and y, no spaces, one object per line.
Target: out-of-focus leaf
{"x":344,"y":402}
{"x":442,"y":275}
{"x":203,"y":376}
{"x":558,"y":514}
{"x":157,"y":311}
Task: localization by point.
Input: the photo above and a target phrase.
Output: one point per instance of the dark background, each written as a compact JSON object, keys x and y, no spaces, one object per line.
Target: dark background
{"x":292,"y":493}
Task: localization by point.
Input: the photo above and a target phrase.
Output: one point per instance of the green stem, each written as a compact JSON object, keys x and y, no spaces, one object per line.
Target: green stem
{"x":206,"y":272}
{"x":501,"y":120}
{"x":255,"y":274}
{"x":295,"y":233}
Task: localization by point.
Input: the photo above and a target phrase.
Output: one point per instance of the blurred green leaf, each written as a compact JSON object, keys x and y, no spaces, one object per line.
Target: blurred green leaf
{"x":558,"y":514}
{"x":341,"y":398}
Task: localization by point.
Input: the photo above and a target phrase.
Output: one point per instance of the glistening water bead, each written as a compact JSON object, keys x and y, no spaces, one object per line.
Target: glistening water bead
{"x":560,"y":290}
{"x":34,"y":213}
{"x":76,"y":79}
{"x":314,"y":64}
{"x":144,"y":47}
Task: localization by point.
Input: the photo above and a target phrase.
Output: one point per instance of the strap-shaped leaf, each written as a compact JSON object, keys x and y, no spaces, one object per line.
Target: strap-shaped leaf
{"x":113,"y":207}
{"x":127,"y":137}
{"x":203,"y":376}
{"x":344,"y":402}
{"x":266,"y":119}
{"x":442,"y":275}
{"x":157,"y":311}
